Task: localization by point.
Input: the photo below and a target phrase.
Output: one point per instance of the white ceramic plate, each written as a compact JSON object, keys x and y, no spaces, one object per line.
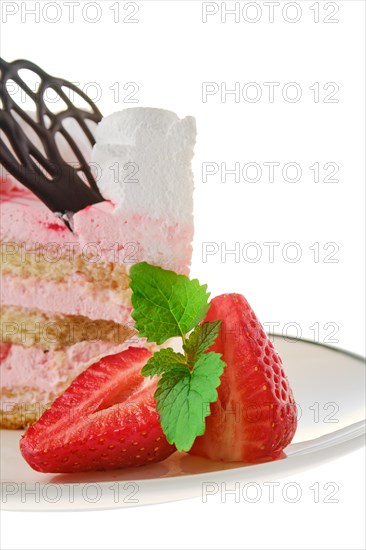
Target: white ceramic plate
{"x":329,"y":387}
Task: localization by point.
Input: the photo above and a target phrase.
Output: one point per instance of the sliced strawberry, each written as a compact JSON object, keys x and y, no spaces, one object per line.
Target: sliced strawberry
{"x":106,"y":419}
{"x":255,"y":415}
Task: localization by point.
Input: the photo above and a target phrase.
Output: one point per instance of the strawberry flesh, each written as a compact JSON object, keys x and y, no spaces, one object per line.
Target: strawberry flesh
{"x":255,"y":415}
{"x":106,"y":419}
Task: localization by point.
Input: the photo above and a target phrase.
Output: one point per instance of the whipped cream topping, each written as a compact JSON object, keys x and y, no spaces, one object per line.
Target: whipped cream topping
{"x":143,"y":156}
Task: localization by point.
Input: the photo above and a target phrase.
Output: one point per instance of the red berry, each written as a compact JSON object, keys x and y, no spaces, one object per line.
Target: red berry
{"x":255,"y":415}
{"x":106,"y":419}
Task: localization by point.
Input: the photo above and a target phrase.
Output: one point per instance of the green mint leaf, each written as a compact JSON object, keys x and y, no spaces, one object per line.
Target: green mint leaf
{"x":200,"y":340}
{"x":163,"y":361}
{"x":183,"y":398}
{"x":165,"y":304}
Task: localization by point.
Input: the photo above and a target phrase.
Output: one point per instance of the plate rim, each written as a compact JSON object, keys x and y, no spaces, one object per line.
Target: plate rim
{"x":294,"y":339}
{"x":176,"y":488}
{"x":354,"y":439}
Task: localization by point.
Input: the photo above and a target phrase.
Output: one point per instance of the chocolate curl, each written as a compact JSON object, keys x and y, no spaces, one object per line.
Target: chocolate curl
{"x":38,"y":164}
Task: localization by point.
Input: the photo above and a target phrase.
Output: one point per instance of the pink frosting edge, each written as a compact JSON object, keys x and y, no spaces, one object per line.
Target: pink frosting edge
{"x":101,"y":229}
{"x":72,"y":297}
{"x":32,"y":367}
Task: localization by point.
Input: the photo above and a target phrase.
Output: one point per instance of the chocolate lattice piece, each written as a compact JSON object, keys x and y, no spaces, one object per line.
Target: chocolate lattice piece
{"x":64,"y":187}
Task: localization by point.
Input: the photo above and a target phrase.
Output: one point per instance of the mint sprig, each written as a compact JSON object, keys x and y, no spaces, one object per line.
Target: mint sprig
{"x":201,"y":339}
{"x":163,"y":361}
{"x":183,"y":399}
{"x":167,"y":305}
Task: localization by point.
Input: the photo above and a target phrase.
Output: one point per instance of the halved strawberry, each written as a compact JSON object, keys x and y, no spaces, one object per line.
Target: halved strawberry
{"x":255,"y":415}
{"x":106,"y":419}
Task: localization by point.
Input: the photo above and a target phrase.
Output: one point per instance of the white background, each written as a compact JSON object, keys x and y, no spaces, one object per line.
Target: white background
{"x":168,"y":53}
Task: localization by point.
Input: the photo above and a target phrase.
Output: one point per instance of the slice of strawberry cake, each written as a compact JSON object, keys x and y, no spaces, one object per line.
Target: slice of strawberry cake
{"x":65,"y":296}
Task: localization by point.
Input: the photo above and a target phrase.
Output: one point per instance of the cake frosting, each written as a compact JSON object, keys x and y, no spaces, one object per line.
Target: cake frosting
{"x":144,"y":160}
{"x":71,"y":296}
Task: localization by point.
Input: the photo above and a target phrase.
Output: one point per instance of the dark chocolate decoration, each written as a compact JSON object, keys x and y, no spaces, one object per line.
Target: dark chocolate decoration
{"x":63,"y":187}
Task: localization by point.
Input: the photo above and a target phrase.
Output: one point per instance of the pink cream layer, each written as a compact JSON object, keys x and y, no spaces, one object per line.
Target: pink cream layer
{"x":47,"y":373}
{"x":74,"y":296}
{"x":104,"y":231}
